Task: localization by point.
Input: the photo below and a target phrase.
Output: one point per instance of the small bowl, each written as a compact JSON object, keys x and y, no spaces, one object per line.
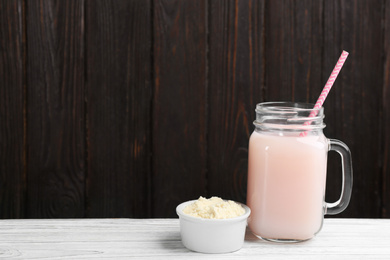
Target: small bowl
{"x":212,"y":235}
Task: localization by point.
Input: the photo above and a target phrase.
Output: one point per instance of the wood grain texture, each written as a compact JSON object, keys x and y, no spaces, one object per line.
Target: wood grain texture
{"x":55,"y":109}
{"x":160,"y":239}
{"x":353,"y":106}
{"x":118,"y":107}
{"x":294,"y":38}
{"x":152,"y":103}
{"x":236,"y":81}
{"x":12,"y":104}
{"x":179,"y":105}
{"x":385,"y":163}
{"x":279,"y":53}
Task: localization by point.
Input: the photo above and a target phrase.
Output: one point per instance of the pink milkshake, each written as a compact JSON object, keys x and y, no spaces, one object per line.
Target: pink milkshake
{"x":286,"y":185}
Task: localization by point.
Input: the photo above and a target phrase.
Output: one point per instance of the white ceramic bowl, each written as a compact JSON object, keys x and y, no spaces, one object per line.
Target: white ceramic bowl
{"x":212,"y":235}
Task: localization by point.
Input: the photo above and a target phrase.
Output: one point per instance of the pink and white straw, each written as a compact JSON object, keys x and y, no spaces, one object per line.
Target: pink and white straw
{"x":328,"y":86}
{"x":330,"y":81}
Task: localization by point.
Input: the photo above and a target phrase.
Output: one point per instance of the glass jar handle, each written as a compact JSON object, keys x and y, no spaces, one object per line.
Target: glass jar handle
{"x":346,"y":190}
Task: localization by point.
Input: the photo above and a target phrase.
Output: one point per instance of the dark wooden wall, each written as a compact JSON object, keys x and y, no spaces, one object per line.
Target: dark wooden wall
{"x":125,"y":108}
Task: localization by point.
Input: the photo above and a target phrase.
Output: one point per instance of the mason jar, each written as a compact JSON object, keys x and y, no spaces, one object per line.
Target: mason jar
{"x":287,"y":164}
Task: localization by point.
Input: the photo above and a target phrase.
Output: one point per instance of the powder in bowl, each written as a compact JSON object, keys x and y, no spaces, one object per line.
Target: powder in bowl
{"x":214,"y":208}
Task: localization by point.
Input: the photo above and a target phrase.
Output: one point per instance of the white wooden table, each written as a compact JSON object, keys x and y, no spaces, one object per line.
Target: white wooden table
{"x":160,"y":239}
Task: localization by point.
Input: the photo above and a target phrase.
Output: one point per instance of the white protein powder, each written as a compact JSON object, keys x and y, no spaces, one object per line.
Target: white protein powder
{"x":214,"y":208}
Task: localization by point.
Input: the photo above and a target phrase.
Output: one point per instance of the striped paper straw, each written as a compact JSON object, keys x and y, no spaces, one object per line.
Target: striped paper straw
{"x":327,"y":87}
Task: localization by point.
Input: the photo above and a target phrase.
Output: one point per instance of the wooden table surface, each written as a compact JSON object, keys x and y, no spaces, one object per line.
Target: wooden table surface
{"x":160,"y":239}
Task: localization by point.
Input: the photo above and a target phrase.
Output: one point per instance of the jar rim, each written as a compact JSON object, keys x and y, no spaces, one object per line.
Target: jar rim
{"x":289,"y":116}
{"x":285,"y":106}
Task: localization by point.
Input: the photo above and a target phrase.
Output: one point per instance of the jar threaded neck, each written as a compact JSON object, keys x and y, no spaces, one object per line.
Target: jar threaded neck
{"x":288,"y":116}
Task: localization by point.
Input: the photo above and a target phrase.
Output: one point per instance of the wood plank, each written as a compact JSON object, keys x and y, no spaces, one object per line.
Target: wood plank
{"x":307,"y":57}
{"x":55,"y":109}
{"x":280,"y":50}
{"x":160,"y":239}
{"x":12,"y":105}
{"x":236,"y":84}
{"x":293,"y":32}
{"x":386,"y":118}
{"x":353,"y":106}
{"x":118,"y":107}
{"x":179,"y":105}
